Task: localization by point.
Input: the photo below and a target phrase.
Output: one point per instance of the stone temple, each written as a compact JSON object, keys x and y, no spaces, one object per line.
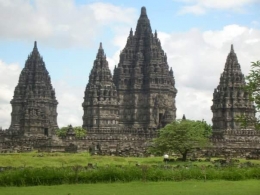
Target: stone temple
{"x":141,"y":93}
{"x":229,"y":102}
{"x":34,"y":103}
{"x":229,"y":98}
{"x":123,"y":111}
{"x":100,"y":101}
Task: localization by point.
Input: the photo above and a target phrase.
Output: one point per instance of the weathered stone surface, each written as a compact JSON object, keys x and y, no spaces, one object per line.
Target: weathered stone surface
{"x":122,"y":114}
{"x":230,"y":101}
{"x":34,"y":103}
{"x":145,"y":85}
{"x":229,"y":98}
{"x":100,"y":102}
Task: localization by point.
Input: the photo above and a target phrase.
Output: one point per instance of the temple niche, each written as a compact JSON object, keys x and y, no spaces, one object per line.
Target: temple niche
{"x":34,"y":105}
{"x":229,"y":98}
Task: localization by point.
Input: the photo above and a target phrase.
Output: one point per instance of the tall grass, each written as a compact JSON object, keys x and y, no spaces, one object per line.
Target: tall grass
{"x":79,"y":174}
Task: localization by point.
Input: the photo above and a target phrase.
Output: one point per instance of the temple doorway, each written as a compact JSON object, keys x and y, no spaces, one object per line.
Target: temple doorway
{"x":160,"y":118}
{"x":46,"y":132}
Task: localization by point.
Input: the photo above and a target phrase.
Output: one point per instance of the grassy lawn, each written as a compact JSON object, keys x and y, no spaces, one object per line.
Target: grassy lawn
{"x":250,"y":187}
{"x":35,"y":159}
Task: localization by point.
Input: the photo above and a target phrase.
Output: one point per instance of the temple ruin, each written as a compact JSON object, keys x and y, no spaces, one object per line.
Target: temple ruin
{"x":142,"y":92}
{"x":123,"y":112}
{"x":230,"y":101}
{"x":34,"y":105}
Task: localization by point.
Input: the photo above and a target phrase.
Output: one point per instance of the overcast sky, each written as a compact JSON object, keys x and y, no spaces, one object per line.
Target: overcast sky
{"x":195,"y":34}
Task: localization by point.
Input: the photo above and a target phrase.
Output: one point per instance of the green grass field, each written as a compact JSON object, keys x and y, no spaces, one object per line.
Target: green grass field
{"x":250,"y":187}
{"x":34,"y":159}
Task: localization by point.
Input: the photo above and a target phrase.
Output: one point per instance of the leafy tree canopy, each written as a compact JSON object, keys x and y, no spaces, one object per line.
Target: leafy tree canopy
{"x":253,"y":89}
{"x":79,"y":131}
{"x":182,"y":137}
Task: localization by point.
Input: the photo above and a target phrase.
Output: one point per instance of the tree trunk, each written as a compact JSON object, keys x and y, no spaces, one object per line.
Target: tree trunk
{"x":184,"y":156}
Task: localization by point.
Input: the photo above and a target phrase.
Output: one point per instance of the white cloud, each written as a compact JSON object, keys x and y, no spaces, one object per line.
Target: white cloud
{"x":194,"y":9}
{"x":108,"y":13}
{"x":70,"y":99}
{"x":52,"y":22}
{"x":201,"y":6}
{"x":8,"y":80}
{"x":198,"y":59}
{"x":228,"y":34}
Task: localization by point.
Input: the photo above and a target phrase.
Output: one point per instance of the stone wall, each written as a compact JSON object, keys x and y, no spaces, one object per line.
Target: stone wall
{"x":127,"y":142}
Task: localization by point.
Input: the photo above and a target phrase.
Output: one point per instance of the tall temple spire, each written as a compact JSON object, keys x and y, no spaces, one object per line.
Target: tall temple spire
{"x":34,"y":103}
{"x":229,"y":98}
{"x":232,"y":49}
{"x":131,"y":33}
{"x":35,"y":51}
{"x":143,"y":12}
{"x":99,"y":91}
{"x":35,"y":45}
{"x":141,"y":74}
{"x":100,"y":53}
{"x":143,"y":24}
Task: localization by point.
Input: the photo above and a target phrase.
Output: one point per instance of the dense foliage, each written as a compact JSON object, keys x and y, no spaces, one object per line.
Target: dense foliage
{"x":78,"y":174}
{"x":79,"y":131}
{"x":182,"y":137}
{"x":253,"y":89}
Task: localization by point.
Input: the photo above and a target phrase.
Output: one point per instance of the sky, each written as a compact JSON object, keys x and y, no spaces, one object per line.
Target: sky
{"x":195,"y":34}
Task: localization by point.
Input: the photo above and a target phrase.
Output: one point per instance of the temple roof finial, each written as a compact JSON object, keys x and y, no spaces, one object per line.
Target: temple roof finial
{"x":143,"y":11}
{"x":131,"y":32}
{"x":232,"y":48}
{"x":35,"y":46}
{"x":100,"y":53}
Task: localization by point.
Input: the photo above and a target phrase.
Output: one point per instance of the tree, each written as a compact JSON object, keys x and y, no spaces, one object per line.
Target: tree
{"x":79,"y":131}
{"x":207,"y":128}
{"x":62,"y":131}
{"x":252,"y":87}
{"x":181,"y":136}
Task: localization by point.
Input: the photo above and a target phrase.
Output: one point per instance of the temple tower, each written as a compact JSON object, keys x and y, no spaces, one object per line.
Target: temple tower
{"x":145,"y":85}
{"x":229,"y":98}
{"x":100,"y":102}
{"x":34,"y":105}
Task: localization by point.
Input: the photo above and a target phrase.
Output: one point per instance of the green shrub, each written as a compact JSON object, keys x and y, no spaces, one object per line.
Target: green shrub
{"x":78,"y":174}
